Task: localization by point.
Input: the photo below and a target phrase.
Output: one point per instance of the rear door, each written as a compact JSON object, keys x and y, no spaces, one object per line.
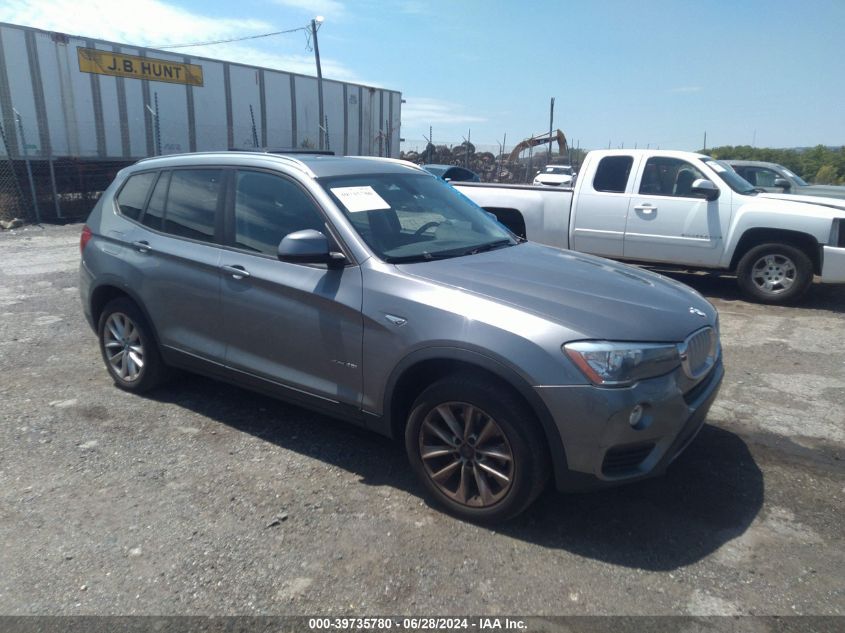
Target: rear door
{"x":298,"y":325}
{"x":667,"y":223}
{"x":177,"y":257}
{"x":601,"y":206}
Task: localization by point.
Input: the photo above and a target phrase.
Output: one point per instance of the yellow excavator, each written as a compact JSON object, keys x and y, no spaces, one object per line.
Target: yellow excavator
{"x":541,"y":139}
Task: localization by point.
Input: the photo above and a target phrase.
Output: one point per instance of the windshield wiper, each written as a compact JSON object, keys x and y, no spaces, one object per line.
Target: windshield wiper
{"x":489,"y":246}
{"x":419,"y":257}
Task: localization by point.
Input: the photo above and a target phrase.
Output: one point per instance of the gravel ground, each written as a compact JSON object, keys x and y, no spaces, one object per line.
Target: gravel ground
{"x":203,"y":498}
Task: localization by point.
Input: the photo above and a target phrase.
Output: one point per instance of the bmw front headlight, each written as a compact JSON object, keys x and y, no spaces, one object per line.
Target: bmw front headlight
{"x":612,"y":364}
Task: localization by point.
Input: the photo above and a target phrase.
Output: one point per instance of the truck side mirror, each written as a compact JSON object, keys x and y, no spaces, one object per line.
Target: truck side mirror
{"x":783,"y":183}
{"x":705,"y":189}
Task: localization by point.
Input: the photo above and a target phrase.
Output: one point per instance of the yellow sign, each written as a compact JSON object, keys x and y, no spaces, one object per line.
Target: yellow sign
{"x":106,"y":63}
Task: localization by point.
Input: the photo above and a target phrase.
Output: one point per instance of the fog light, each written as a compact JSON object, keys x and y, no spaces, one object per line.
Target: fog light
{"x":636,"y":415}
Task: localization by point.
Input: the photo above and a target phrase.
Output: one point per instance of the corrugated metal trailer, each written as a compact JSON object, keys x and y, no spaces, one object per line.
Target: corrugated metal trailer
{"x":83,"y":98}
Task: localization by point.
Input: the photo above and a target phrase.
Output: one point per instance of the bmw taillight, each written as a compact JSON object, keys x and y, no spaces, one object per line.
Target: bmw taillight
{"x":85,"y":237}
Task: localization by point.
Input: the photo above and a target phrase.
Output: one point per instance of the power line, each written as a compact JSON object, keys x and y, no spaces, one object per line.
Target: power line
{"x":235,"y":39}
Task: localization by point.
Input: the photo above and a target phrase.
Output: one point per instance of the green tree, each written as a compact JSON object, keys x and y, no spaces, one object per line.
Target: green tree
{"x":826,"y":175}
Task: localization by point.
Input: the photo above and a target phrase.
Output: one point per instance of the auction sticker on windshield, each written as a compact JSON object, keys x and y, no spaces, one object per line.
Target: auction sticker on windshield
{"x":357,"y":199}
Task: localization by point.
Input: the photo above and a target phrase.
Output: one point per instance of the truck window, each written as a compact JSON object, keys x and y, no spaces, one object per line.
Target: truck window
{"x":664,"y":176}
{"x":612,"y":174}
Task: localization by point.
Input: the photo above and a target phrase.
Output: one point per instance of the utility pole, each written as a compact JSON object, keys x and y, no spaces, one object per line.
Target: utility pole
{"x":314,"y":22}
{"x":551,"y":124}
{"x":705,"y":140}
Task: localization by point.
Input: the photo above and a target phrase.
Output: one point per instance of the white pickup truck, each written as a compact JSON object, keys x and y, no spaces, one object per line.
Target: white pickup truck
{"x":680,"y":209}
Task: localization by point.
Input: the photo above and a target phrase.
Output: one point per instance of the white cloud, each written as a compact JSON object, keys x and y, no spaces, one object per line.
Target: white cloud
{"x":427,"y":111}
{"x":167,"y":25}
{"x":686,"y":89}
{"x":327,"y":8}
{"x":151,"y":22}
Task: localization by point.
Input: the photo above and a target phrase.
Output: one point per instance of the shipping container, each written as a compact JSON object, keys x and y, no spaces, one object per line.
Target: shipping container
{"x":69,"y":96}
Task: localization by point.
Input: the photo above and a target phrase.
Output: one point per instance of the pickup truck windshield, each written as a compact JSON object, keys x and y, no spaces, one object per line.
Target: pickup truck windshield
{"x":406,"y":217}
{"x":730,"y":177}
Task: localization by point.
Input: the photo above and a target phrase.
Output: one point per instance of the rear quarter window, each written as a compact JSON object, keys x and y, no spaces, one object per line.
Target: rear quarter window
{"x":612,"y":174}
{"x":133,"y":194}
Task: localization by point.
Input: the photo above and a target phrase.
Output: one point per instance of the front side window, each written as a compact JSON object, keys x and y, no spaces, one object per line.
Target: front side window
{"x":763,"y":177}
{"x":192,"y":203}
{"x":612,"y":174}
{"x":267,"y":208}
{"x":133,"y":195}
{"x":664,"y":176}
{"x":414,"y":217}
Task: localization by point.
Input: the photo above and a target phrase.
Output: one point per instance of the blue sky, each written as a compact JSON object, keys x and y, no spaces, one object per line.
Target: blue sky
{"x":658,"y":72}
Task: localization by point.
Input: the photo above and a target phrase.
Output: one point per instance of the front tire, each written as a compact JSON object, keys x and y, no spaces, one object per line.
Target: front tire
{"x":775,"y":273}
{"x":476,"y":448}
{"x":128,"y":347}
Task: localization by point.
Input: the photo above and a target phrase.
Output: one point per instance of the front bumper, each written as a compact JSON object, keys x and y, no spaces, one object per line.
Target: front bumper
{"x":833,"y":265}
{"x":601,"y":446}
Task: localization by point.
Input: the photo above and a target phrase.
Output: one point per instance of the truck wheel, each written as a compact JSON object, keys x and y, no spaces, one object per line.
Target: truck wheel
{"x":128,"y":347}
{"x":775,"y":273}
{"x":476,"y":448}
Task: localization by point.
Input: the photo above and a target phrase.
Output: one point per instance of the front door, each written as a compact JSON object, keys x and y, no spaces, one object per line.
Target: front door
{"x":666,"y":222}
{"x":298,"y":325}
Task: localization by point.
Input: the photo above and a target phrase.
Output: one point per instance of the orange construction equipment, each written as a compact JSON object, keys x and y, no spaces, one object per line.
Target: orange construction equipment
{"x":541,"y":139}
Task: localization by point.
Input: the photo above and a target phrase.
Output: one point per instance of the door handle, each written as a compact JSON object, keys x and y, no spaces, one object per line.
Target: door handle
{"x":645,"y":208}
{"x":237,"y":272}
{"x":143,"y":246}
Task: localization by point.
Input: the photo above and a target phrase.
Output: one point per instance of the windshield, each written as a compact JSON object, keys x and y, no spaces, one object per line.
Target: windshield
{"x":567,"y":171}
{"x":730,"y":177}
{"x":796,"y":178}
{"x":414,"y":217}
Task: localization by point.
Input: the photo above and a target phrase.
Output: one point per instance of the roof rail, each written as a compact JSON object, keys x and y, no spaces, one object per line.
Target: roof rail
{"x":271,"y":150}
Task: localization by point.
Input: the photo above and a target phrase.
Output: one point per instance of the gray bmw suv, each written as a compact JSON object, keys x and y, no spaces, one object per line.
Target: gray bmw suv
{"x":372,"y":291}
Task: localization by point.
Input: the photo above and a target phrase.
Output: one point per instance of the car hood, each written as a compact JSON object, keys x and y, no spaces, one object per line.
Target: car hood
{"x":594,"y":297}
{"x":821,"y":199}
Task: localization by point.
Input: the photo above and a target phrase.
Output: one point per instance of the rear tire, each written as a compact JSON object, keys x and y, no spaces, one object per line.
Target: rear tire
{"x":129,"y":348}
{"x":774,"y":273}
{"x":476,"y":448}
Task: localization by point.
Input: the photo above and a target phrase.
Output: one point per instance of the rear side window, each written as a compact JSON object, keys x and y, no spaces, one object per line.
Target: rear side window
{"x":154,"y":215}
{"x":133,"y":195}
{"x":192,"y":202}
{"x":612,"y":174}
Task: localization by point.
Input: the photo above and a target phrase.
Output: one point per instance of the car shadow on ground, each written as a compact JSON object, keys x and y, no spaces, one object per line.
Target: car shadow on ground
{"x":709,"y":496}
{"x":717,"y":286}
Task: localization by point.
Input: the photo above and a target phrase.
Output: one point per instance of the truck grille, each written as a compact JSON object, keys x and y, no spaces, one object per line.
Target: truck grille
{"x":698,"y":352}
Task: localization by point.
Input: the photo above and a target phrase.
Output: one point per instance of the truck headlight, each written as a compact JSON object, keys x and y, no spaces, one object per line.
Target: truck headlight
{"x":620,"y":364}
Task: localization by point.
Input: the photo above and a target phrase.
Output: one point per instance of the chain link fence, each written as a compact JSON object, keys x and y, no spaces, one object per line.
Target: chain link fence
{"x":490,"y":162}
{"x":14,"y":203}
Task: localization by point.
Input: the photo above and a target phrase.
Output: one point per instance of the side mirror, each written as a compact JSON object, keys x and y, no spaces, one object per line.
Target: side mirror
{"x":705,"y":189}
{"x":783,"y":183}
{"x":307,"y":247}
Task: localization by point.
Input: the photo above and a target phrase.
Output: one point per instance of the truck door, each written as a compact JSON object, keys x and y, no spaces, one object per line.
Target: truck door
{"x":601,"y":206}
{"x":666,"y":222}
